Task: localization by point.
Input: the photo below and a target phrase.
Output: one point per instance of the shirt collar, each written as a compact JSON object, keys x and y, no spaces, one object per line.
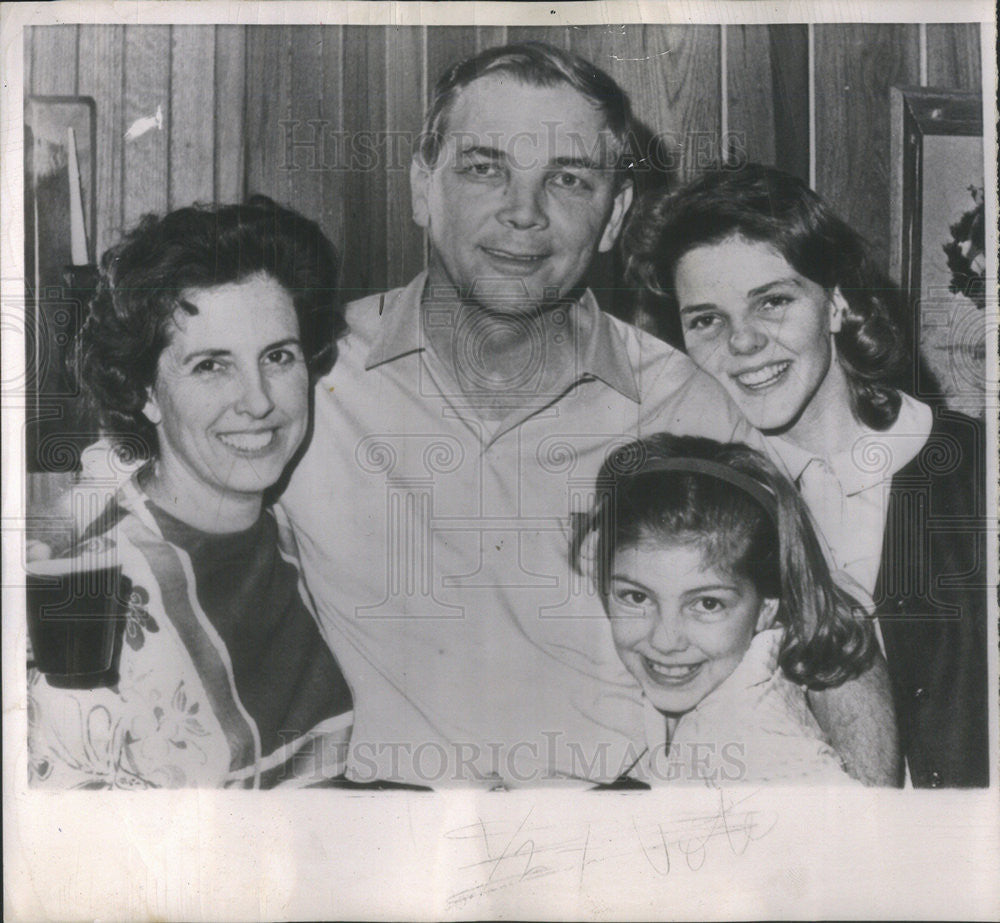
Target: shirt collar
{"x":874,"y":456}
{"x":399,"y":331}
{"x":602,"y":352}
{"x":604,"y":355}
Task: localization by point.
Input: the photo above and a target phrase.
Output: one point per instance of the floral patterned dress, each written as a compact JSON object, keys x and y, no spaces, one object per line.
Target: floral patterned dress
{"x":223,"y":678}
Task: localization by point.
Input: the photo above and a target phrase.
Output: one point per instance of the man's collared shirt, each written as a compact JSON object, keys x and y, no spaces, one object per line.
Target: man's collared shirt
{"x":436,"y":546}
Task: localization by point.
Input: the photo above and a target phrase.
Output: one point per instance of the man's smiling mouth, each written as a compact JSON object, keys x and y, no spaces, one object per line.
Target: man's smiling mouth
{"x":508,"y":256}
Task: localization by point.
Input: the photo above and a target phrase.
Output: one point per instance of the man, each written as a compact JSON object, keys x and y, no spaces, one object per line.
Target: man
{"x":464,"y":423}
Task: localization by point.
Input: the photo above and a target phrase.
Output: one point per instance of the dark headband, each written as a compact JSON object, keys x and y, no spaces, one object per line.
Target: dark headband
{"x":764,"y":496}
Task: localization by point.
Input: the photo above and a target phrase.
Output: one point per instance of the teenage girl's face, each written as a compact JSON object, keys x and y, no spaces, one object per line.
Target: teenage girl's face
{"x":681,"y":625}
{"x":762,"y":330}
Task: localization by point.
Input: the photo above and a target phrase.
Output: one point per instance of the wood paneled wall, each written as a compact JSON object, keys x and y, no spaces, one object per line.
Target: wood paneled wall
{"x":321,"y":117}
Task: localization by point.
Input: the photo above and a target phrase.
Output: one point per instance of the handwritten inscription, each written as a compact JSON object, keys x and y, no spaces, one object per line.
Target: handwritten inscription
{"x":512,"y":852}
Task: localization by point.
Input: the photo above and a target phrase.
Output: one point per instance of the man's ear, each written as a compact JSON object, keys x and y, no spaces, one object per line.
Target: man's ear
{"x":420,"y":182}
{"x":622,"y":203}
{"x":768,"y":613}
{"x":152,"y":409}
{"x":838,"y":310}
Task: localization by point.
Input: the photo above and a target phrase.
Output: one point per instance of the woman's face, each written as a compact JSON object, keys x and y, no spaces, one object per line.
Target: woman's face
{"x":231,"y":398}
{"x":681,"y":625}
{"x":761,"y":329}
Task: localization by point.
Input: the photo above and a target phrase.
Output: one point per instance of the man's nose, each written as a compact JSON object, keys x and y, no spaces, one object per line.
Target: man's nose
{"x":523,"y":205}
{"x":668,"y":634}
{"x":254,"y":398}
{"x":746,"y":338}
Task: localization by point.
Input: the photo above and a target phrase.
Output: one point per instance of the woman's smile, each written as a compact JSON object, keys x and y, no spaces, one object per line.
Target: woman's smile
{"x":251,"y":442}
{"x":763,"y":376}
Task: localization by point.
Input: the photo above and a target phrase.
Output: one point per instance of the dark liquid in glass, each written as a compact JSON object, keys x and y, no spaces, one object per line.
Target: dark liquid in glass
{"x":75,"y":622}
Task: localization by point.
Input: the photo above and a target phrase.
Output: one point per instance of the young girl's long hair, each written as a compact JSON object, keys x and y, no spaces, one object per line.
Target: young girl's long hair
{"x":771,"y":544}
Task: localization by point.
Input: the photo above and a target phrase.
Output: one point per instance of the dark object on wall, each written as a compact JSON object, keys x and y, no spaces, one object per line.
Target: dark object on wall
{"x":937,"y":156}
{"x":60,"y":275}
{"x":966,"y":251}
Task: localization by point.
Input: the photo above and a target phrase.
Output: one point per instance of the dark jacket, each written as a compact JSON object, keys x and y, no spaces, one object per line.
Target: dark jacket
{"x":931,"y":604}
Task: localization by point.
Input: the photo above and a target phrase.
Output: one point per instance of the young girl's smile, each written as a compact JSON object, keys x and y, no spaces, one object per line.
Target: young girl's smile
{"x":681,"y":625}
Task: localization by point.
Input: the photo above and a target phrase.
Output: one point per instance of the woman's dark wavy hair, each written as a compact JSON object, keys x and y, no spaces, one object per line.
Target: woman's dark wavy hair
{"x":143,"y":278}
{"x":824,"y":643}
{"x":763,"y":204}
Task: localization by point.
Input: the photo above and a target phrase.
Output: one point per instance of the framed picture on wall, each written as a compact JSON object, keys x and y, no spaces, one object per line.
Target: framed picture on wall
{"x":60,"y":170}
{"x":938,"y":238}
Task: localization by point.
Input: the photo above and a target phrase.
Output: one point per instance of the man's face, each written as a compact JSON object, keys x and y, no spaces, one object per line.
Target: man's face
{"x":523,"y":194}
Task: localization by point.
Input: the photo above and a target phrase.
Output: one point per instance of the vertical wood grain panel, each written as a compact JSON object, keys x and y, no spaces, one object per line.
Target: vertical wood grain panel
{"x":335,"y":176}
{"x":102,"y":59}
{"x":490,"y":36}
{"x":855,"y":66}
{"x":54,"y":60}
{"x":192,"y":115}
{"x":292,"y":103}
{"x":146,"y":177}
{"x":554,"y":35}
{"x":364,"y":196}
{"x":953,"y":56}
{"x":446,"y":46}
{"x":28,"y":41}
{"x":267,"y":106}
{"x":790,"y":80}
{"x":688,"y":102}
{"x":229,"y":125}
{"x":768,"y":87}
{"x":303,"y":180}
{"x":672,"y":75}
{"x":750,"y":91}
{"x":404,"y":112}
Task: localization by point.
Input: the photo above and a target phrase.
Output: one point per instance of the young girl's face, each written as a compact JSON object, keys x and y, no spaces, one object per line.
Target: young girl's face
{"x":681,"y":626}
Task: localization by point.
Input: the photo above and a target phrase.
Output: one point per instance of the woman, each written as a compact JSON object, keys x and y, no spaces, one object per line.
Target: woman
{"x":778,"y":299}
{"x":202,"y":339}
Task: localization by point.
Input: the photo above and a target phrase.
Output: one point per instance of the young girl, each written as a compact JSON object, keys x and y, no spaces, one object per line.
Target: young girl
{"x":723,"y":608}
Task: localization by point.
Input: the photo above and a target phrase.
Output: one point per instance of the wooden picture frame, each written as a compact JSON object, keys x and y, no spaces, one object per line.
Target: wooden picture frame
{"x":937,"y":181}
{"x":60,"y":169}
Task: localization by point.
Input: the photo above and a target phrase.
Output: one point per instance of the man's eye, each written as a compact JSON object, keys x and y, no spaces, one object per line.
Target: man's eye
{"x":485,"y":170}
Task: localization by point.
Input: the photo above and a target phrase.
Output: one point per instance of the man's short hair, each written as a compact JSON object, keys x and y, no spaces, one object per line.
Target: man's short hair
{"x":536,"y":64}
